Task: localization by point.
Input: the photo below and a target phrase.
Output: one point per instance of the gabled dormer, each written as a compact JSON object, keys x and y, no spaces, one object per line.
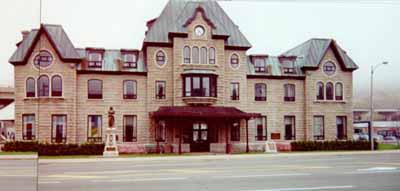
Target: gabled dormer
{"x":288,"y":64}
{"x":260,"y":63}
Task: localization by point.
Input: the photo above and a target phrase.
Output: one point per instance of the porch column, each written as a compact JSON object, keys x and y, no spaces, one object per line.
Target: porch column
{"x":180,"y":140}
{"x":247,"y":135}
{"x":226,"y":136}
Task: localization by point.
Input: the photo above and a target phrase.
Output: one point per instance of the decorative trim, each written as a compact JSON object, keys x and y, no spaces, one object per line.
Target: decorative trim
{"x":203,"y":14}
{"x":111,"y":72}
{"x":252,"y":76}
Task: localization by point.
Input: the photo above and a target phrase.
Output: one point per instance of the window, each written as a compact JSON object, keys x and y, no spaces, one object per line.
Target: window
{"x":288,"y":67}
{"x":341,"y":127}
{"x":28,"y":122}
{"x":290,"y":128}
{"x":235,"y":61}
{"x":290,"y":92}
{"x":59,"y":129}
{"x":95,"y":59}
{"x":129,"y":89}
{"x":160,"y":89}
{"x":329,"y":68}
{"x":329,"y":91}
{"x":235,"y":91}
{"x":200,"y":86}
{"x":30,"y":87}
{"x":130,"y":60}
{"x":130,"y":128}
{"x":56,"y":86}
{"x":261,"y":126}
{"x":320,"y":91}
{"x":339,"y":91}
{"x":318,"y":128}
{"x":195,"y":55}
{"x":203,"y":58}
{"x":235,"y":131}
{"x":43,"y":86}
{"x":95,"y":89}
{"x":212,"y":56}
{"x":160,"y":131}
{"x":260,"y":92}
{"x":43,"y":59}
{"x":95,"y":128}
{"x":160,"y":58}
{"x":186,"y":55}
{"x":260,"y":65}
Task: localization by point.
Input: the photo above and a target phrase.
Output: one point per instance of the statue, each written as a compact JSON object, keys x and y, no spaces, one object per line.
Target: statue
{"x":111,"y":118}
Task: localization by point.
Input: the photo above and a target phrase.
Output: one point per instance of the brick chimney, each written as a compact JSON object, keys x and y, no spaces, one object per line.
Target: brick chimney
{"x":24,"y":34}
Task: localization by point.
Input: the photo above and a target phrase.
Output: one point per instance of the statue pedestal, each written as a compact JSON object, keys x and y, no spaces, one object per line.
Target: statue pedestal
{"x":111,"y":149}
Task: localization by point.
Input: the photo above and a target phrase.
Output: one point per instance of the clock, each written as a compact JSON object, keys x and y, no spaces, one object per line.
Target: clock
{"x":199,"y":30}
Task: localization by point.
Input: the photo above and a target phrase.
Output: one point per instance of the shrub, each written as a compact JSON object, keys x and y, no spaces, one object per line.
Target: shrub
{"x":331,"y":145}
{"x":46,"y":149}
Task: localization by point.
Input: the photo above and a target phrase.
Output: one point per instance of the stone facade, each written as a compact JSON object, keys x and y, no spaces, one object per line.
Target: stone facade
{"x":75,"y":104}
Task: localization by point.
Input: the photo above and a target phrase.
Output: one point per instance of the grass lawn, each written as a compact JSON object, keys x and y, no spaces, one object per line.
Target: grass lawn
{"x":18,"y":153}
{"x":382,"y":146}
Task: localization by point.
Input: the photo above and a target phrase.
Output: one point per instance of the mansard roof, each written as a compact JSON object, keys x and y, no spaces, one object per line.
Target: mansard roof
{"x":176,"y":14}
{"x":57,"y":37}
{"x":314,"y":50}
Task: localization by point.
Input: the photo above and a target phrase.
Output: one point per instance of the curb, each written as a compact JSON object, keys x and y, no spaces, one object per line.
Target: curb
{"x":212,"y":157}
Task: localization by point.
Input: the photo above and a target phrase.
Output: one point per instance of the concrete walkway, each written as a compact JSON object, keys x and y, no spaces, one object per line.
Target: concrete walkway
{"x":213,"y":157}
{"x":18,"y":157}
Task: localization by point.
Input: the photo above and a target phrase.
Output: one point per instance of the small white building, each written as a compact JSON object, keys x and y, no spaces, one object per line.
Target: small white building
{"x":7,"y":127}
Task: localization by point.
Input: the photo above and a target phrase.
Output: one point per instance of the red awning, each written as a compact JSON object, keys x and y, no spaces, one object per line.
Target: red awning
{"x":202,"y":112}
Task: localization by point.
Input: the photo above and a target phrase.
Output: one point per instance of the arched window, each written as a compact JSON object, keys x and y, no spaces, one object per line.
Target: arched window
{"x":95,"y":89}
{"x":195,"y":55}
{"x":211,"y":56}
{"x":186,"y":55}
{"x":160,"y":58}
{"x":234,"y":61}
{"x":290,"y":92}
{"x":203,"y":58}
{"x":339,"y":91}
{"x":30,"y":87}
{"x":43,"y":86}
{"x":320,"y":91}
{"x":329,"y":91}
{"x":129,"y":89}
{"x":260,"y":92}
{"x":56,"y":86}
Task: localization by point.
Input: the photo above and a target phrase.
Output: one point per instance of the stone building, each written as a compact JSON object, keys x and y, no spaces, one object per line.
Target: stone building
{"x":191,"y":87}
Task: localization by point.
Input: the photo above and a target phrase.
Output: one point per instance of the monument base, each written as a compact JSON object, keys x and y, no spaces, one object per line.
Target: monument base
{"x":111,"y":149}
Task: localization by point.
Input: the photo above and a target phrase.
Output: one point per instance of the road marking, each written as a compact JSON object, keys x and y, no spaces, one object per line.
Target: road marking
{"x":49,"y":182}
{"x":263,"y":175}
{"x":308,"y":188}
{"x":378,"y":169}
{"x":141,"y":179}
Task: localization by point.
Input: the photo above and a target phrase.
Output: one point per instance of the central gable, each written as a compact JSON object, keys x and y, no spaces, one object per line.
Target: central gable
{"x":177,"y":14}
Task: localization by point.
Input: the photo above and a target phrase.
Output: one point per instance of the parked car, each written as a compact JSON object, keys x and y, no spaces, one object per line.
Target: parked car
{"x":390,"y":138}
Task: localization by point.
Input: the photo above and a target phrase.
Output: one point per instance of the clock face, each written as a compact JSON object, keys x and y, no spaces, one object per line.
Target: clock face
{"x":199,"y":30}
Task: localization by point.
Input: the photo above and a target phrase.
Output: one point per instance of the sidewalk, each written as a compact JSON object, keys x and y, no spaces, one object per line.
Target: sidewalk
{"x":18,"y":157}
{"x":213,"y":157}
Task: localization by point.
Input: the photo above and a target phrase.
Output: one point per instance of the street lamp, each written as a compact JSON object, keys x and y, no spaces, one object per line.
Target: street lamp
{"x":373,"y":68}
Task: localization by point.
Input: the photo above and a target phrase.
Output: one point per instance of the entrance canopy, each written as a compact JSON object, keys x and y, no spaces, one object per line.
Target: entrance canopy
{"x":202,"y":112}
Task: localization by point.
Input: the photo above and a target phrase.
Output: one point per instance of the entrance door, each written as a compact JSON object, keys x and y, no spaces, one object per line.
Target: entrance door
{"x":128,"y":133}
{"x":59,"y":133}
{"x":200,"y":142}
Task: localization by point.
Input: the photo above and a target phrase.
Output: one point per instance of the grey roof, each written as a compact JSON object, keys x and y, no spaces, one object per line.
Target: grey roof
{"x":275,"y":67}
{"x":110,"y":62}
{"x":57,"y":37}
{"x":177,"y":12}
{"x":314,"y":49}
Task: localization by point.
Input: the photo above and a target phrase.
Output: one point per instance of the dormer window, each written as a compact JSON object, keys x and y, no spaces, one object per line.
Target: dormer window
{"x":288,"y":67}
{"x":129,"y":60}
{"x":95,"y":59}
{"x":260,"y":65}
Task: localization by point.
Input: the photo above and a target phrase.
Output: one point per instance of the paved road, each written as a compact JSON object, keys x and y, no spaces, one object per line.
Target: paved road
{"x":18,"y":175}
{"x":253,"y":173}
{"x":245,"y":173}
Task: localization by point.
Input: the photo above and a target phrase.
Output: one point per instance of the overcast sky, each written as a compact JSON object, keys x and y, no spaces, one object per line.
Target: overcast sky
{"x":368,"y":30}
